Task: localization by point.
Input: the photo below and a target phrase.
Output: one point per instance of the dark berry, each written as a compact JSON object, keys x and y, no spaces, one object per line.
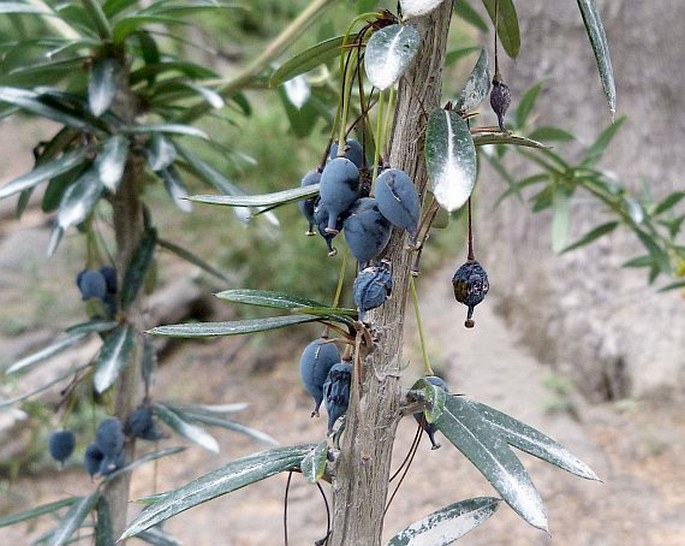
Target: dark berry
{"x":336,"y":390}
{"x":306,"y":206}
{"x":140,"y":424}
{"x":420,"y":417}
{"x":372,"y":287}
{"x":353,"y":152}
{"x":366,"y":230}
{"x":339,"y":189}
{"x":471,"y":285}
{"x":500,"y":99}
{"x":110,"y":275}
{"x":61,"y":444}
{"x":109,"y":437}
{"x":93,"y":459}
{"x":316,"y":361}
{"x":110,"y":464}
{"x":397,"y":200}
{"x":321,"y":221}
{"x":92,"y":284}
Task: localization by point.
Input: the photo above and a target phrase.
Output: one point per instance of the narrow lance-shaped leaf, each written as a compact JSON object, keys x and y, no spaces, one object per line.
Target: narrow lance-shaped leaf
{"x":111,"y":161}
{"x":80,"y":199}
{"x":262,"y":200}
{"x":477,"y":85}
{"x":44,"y":172}
{"x":30,"y":101}
{"x":138,"y":267}
{"x":482,"y":444}
{"x":161,"y":153}
{"x":508,"y":25}
{"x":214,"y":421}
{"x":233,"y":476}
{"x":448,"y":524}
{"x":450,"y":159}
{"x":307,"y":60}
{"x":37,"y":511}
{"x":75,"y":519}
{"x":167,"y":128}
{"x":192,"y":432}
{"x":482,"y":138}
{"x":267,"y":298}
{"x":530,"y":440}
{"x":591,"y":235}
{"x":114,"y":356}
{"x":230,"y":328}
{"x":29,"y":362}
{"x":313,"y":464}
{"x":102,"y":85}
{"x":600,"y":47}
{"x":389,"y":53}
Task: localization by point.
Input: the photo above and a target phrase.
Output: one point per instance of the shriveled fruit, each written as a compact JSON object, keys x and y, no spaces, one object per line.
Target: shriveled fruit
{"x":307,"y":206}
{"x":141,"y":424}
{"x":338,"y":190}
{"x":353,"y":151}
{"x":92,"y":284}
{"x":500,"y":99}
{"x":420,"y":417}
{"x":397,"y":199}
{"x":61,"y":444}
{"x":471,"y":285}
{"x":316,"y":361}
{"x":366,"y":230}
{"x":336,"y":392}
{"x":372,"y":287}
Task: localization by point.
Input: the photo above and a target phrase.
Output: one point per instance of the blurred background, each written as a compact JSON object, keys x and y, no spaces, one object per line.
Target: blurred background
{"x":574,"y":344}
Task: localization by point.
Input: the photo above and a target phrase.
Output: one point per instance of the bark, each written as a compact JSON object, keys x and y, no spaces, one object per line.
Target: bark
{"x":360,"y":483}
{"x":600,"y":324}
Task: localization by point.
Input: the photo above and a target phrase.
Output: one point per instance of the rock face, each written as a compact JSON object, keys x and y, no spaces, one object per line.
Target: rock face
{"x":602,"y":325}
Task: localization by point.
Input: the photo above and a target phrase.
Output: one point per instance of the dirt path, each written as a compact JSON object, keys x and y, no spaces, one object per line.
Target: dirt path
{"x":636,"y":452}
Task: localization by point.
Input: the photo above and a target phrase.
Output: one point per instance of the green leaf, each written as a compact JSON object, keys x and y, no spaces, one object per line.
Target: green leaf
{"x":668,"y":202}
{"x":212,"y":97}
{"x":267,"y":298}
{"x":176,"y":188}
{"x":44,"y":172}
{"x":29,"y":362}
{"x":138,"y":267}
{"x":591,"y":235}
{"x":233,"y":476}
{"x":92,"y":326}
{"x":498,"y":137}
{"x":673,"y":286}
{"x":167,"y":128}
{"x":104,"y":534}
{"x":561,"y":218}
{"x":450,"y":159}
{"x":448,"y":524}
{"x":470,"y":15}
{"x":126,"y":26}
{"x":389,"y":53}
{"x":547,"y":133}
{"x":30,"y":101}
{"x":102,"y":85}
{"x":191,"y":432}
{"x":600,"y":47}
{"x":37,"y":511}
{"x":302,"y":120}
{"x":595,"y":152}
{"x":230,"y":328}
{"x":158,"y":537}
{"x":434,"y":398}
{"x":526,"y":104}
{"x":271,"y":200}
{"x":193,"y":259}
{"x":313,"y":464}
{"x":111,"y":161}
{"x":73,"y":521}
{"x":659,"y":256}
{"x":23,"y":8}
{"x":530,"y":440}
{"x":114,"y":357}
{"x":79,"y":199}
{"x":481,"y":443}
{"x":214,"y":421}
{"x":307,"y":60}
{"x":455,"y":55}
{"x":507,"y":26}
{"x":477,"y":85}
{"x":161,"y":152}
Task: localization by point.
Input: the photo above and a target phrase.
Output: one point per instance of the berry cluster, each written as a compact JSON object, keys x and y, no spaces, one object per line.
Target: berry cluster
{"x":99,"y":287}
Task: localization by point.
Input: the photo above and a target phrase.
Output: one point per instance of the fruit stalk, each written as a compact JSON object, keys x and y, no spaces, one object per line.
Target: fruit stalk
{"x":360,"y":485}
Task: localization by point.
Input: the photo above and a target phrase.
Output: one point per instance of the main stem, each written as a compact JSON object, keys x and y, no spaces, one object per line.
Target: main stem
{"x":360,"y":483}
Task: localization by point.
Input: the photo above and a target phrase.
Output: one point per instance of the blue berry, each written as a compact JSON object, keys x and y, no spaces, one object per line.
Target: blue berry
{"x":366,"y":230}
{"x":110,"y":275}
{"x":307,"y":206}
{"x":471,"y":285}
{"x":372,"y":287}
{"x":93,"y":459}
{"x":397,"y":200}
{"x":321,"y":220}
{"x":140,"y":424}
{"x":500,"y":99}
{"x":420,"y":417}
{"x":353,"y":152}
{"x":336,"y":390}
{"x":316,"y":361}
{"x":92,"y":284}
{"x":61,"y":444}
{"x":109,"y":437}
{"x":338,"y":190}
{"x":111,"y":464}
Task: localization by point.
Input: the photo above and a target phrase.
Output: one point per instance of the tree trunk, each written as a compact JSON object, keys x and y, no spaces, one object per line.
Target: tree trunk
{"x":360,"y":484}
